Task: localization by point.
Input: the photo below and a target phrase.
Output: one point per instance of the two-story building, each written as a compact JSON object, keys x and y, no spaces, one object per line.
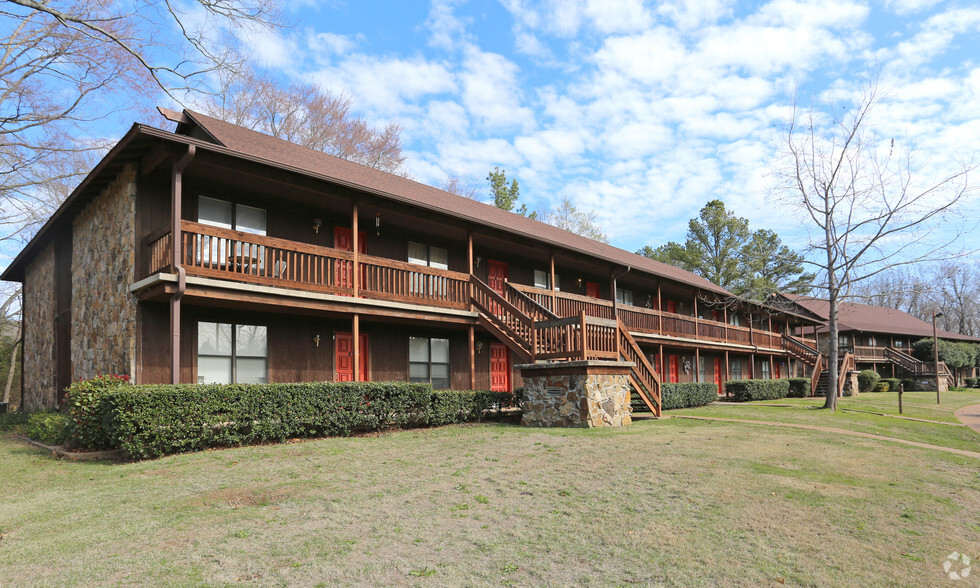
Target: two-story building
{"x":879,"y":338}
{"x":218,"y":254}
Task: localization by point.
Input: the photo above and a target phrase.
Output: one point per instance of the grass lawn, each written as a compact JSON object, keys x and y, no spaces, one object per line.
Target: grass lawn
{"x":920,"y":405}
{"x":669,"y":502}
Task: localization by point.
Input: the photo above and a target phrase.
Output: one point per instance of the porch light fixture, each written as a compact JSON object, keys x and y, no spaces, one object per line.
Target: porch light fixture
{"x":377,"y":224}
{"x":579,"y":282}
{"x":479,"y":346}
{"x":316,"y":339}
{"x":316,"y":225}
{"x":478,"y":260}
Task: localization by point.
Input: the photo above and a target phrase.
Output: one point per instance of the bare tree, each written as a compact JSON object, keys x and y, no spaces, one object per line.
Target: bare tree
{"x":567,"y":216}
{"x":460,"y":185}
{"x":62,"y":60}
{"x":866,"y":209}
{"x":305,"y":114}
{"x":10,"y":316}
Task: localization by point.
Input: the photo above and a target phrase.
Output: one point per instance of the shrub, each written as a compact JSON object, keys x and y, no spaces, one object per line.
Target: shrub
{"x":888,"y":385}
{"x":867,"y":380}
{"x":687,"y":395}
{"x":14,"y":421}
{"x":909,"y":384}
{"x":50,"y":428}
{"x":745,"y":390}
{"x":798,"y":387}
{"x":972,"y":382}
{"x":87,"y":412}
{"x":153,"y":420}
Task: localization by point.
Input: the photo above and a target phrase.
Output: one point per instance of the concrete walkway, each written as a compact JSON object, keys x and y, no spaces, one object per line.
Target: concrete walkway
{"x":973,"y":454}
{"x":969,"y":416}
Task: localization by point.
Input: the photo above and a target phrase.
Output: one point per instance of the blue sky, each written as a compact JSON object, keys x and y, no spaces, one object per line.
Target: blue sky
{"x":642,"y":111}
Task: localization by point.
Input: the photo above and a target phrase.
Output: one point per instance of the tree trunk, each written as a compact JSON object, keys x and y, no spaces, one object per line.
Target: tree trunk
{"x":13,"y":363}
{"x":833,"y":344}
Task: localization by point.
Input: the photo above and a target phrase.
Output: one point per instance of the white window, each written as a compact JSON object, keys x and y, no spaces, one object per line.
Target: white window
{"x":229,"y":353}
{"x":541,"y":280}
{"x":215,"y":251}
{"x":624,"y":297}
{"x":435,"y":257}
{"x":736,"y":367}
{"x":734,"y":320}
{"x":899,"y":343}
{"x":428,"y":361}
{"x":766,"y":374}
{"x":701,"y":370}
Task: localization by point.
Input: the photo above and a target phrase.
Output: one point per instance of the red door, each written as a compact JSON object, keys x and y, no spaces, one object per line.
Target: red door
{"x":343,"y":240}
{"x":344,"y":362}
{"x":592,"y":290}
{"x":718,"y":376}
{"x":496,"y":276}
{"x":670,"y":306}
{"x":499,"y":368}
{"x":675,"y":368}
{"x":776,"y":367}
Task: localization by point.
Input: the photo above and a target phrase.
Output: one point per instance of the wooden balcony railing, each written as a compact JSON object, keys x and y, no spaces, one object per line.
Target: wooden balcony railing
{"x":868,"y":353}
{"x":215,"y":252}
{"x":646,"y":320}
{"x":576,"y":337}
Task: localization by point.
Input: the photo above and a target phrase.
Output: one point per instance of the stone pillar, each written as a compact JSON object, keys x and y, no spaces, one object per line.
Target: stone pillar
{"x":576,"y":394}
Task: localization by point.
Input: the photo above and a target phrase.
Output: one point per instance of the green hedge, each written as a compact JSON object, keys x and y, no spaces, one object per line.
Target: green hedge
{"x":888,"y":385}
{"x":867,"y":380}
{"x":972,"y":382}
{"x":798,"y":387}
{"x":87,"y":413}
{"x":687,"y":395}
{"x":746,"y":390}
{"x":154,"y":420}
{"x":50,"y":428}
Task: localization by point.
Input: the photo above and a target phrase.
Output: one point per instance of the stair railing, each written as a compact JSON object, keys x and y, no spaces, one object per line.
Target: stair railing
{"x":645,"y":374}
{"x":815,"y":376}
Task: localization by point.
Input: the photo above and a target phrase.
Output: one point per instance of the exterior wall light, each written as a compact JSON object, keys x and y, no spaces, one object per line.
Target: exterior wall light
{"x":316,"y":225}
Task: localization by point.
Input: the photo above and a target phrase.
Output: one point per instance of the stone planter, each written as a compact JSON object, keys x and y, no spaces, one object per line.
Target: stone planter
{"x":576,"y":394}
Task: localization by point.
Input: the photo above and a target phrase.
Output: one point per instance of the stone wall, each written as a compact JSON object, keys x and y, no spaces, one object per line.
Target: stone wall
{"x":576,"y":394}
{"x":103,"y":311}
{"x":39,"y":332}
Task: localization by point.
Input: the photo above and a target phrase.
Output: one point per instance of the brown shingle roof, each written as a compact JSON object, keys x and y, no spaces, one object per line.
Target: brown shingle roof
{"x":873,"y":319}
{"x":278,"y":152}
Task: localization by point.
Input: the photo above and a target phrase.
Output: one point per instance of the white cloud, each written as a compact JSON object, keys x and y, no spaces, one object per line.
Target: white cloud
{"x":904,"y":7}
{"x":447,"y":30}
{"x":331,"y":43}
{"x":491,"y":90}
{"x":386,"y":85}
{"x":935,"y":37}
{"x":690,"y":14}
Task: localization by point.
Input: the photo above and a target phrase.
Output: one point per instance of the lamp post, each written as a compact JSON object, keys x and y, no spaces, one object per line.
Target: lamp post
{"x":935,"y":350}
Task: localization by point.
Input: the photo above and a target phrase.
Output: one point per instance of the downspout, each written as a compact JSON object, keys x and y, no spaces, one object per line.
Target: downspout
{"x":176,"y":212}
{"x":614,"y":278}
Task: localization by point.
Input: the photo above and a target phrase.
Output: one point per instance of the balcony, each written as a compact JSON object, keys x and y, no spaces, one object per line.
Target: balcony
{"x":213,"y":252}
{"x":225,"y":254}
{"x":653,"y":322}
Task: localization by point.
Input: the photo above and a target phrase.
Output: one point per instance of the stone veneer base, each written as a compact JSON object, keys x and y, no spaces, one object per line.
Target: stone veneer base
{"x":576,"y":394}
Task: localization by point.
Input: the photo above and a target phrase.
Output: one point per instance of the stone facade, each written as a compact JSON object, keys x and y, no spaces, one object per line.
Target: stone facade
{"x":39,"y":332}
{"x":576,"y":394}
{"x":851,"y":384}
{"x":103,"y":334}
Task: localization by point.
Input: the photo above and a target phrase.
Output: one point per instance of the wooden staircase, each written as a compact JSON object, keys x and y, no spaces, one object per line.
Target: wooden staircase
{"x":534,"y":334}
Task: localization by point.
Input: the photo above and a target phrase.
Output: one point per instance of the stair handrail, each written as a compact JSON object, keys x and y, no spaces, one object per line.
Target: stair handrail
{"x":644,"y":372}
{"x":815,"y":376}
{"x":542,"y":311}
{"x":804,"y":351}
{"x":904,"y":360}
{"x":525,"y":334}
{"x":846,"y":365}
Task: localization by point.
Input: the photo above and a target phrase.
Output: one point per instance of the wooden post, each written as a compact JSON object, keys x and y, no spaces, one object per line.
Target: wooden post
{"x":176,"y":242}
{"x":356,"y":246}
{"x":554,"y":294}
{"x":697,"y":364}
{"x":751,"y":336}
{"x":612,"y":287}
{"x":356,"y":331}
{"x":660,"y":316}
{"x":724,"y":318}
{"x":901,"y":390}
{"x":662,"y":361}
{"x":585,"y":350}
{"x":772,"y":372}
{"x":469,"y":268}
{"x":697,"y":323}
{"x":728,"y":373}
{"x":751,"y":366}
{"x":472,"y":338}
